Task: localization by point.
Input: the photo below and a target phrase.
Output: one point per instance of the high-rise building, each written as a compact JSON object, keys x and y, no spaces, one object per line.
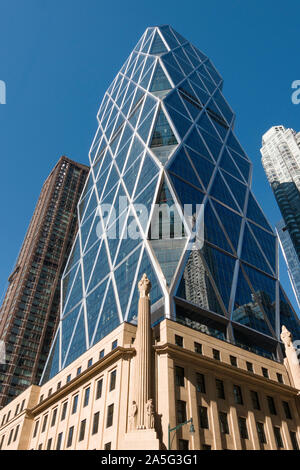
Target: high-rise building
{"x":30,"y":310}
{"x":166,"y":137}
{"x":281,"y":161}
{"x":291,"y":258}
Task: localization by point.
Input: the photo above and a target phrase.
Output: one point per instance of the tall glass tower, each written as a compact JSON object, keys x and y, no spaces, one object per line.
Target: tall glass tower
{"x":166,"y":136}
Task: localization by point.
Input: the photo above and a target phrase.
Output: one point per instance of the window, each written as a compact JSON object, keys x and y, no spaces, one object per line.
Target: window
{"x":107,"y":446}
{"x":278,"y":437}
{"x":16,"y":433}
{"x":271,"y":404}
{"x":45,"y":423}
{"x":3,"y":419}
{"x":86,"y":397}
{"x":255,"y":400}
{"x":110,"y":415}
{"x":179,"y":376}
{"x":41,"y":398}
{"x":10,"y":437}
{"x":261,"y":432}
{"x":75,"y":404}
{"x":233,"y":361}
{"x":95,"y":423}
{"x":49,"y":444}
{"x":198,"y":348}
{"x":82,"y":430}
{"x":216,"y":354}
{"x":249,"y":366}
{"x":243,"y":428}
{"x":293,"y":437}
{"x":113,"y":377}
{"x":200,"y":383}
{"x":70,"y":436}
{"x":36,"y":428}
{"x":69,"y":378}
{"x":90,"y":362}
{"x":64,"y":410}
{"x":220,"y":389}
{"x":58,"y":387}
{"x":238,"y":397}
{"x":206,"y":447}
{"x":40,"y":447}
{"x":203,"y":417}
{"x":59,"y":441}
{"x":287,"y":410}
{"x":265,"y":372}
{"x":22,"y":406}
{"x":2,"y":440}
{"x":183,"y":444}
{"x":99,"y":389}
{"x":279,"y":378}
{"x":49,"y":392}
{"x":101,"y":355}
{"x":223,"y":422}
{"x":78,"y":371}
{"x":17,"y":409}
{"x":179,"y":341}
{"x":181,"y":411}
{"x":114,"y":344}
{"x":54,"y":414}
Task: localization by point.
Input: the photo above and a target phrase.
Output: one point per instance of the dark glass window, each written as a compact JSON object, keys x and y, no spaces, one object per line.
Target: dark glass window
{"x":243,"y":428}
{"x":101,"y":355}
{"x":95,"y":423}
{"x":206,"y":447}
{"x":22,"y":406}
{"x":181,"y":411}
{"x":40,"y":447}
{"x":279,"y":378}
{"x":220,"y":389}
{"x":255,"y":400}
{"x":79,"y":370}
{"x":64,"y":410}
{"x":238,"y":397}
{"x":271,"y":405}
{"x":49,"y":444}
{"x":75,"y":404}
{"x":69,"y":378}
{"x":53,"y":420}
{"x":1,"y":442}
{"x":10,"y":437}
{"x":70,"y":436}
{"x":233,"y":361}
{"x":223,"y":422}
{"x":287,"y":410}
{"x":265,"y":372}
{"x":113,"y":377}
{"x":179,"y":376}
{"x":16,"y":433}
{"x":99,"y":389}
{"x":294,"y":440}
{"x":36,"y":428}
{"x":114,"y":344}
{"x":82,"y":430}
{"x":45,"y":423}
{"x":179,"y":341}
{"x":110,"y":415}
{"x":216,"y":354}
{"x":200,"y":383}
{"x":107,"y":446}
{"x":163,"y":134}
{"x":249,"y":366}
{"x":58,"y":387}
{"x":90,"y":362}
{"x":59,"y":441}
{"x":198,"y":348}
{"x":203,"y":417}
{"x":261,"y":432}
{"x":277,"y":434}
{"x":86,"y":396}
{"x":183,"y":444}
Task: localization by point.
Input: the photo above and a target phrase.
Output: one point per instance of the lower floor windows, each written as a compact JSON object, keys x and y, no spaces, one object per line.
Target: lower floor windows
{"x":243,"y":428}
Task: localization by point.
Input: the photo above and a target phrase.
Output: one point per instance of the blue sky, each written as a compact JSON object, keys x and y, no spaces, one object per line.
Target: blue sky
{"x":58,"y":57}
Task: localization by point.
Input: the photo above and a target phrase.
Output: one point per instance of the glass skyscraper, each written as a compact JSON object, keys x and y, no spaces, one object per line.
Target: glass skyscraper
{"x":166,"y":136}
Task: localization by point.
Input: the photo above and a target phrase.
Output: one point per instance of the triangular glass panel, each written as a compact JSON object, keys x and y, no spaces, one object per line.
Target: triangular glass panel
{"x":172,"y":67}
{"x":267,"y":244}
{"x":246,"y":309}
{"x":147,"y":43}
{"x":67,"y":328}
{"x":220,"y":191}
{"x":113,"y":236}
{"x":193,"y":108}
{"x":88,"y":262}
{"x":213,"y":233}
{"x":287,"y":316}
{"x":178,"y":36}
{"x":233,"y":143}
{"x":159,"y":80}
{"x":181,"y":124}
{"x":53,"y":362}
{"x":124,"y":277}
{"x":169,"y":37}
{"x":255,"y":213}
{"x":133,"y":119}
{"x":75,"y":255}
{"x":227,"y":164}
{"x":175,"y":102}
{"x":224,"y":107}
{"x":213,"y":144}
{"x":78,"y":344}
{"x":95,"y":233}
{"x":203,"y":167}
{"x":157,"y":46}
{"x":148,"y":171}
{"x":186,"y":67}
{"x":146,"y":78}
{"x":145,"y":127}
{"x":111,"y":182}
{"x":120,"y":203}
{"x":182,"y":167}
{"x":135,"y":151}
{"x":131,"y":175}
{"x":93,"y":306}
{"x":121,"y":157}
{"x":252,"y":253}
{"x":67,"y":283}
{"x":85,"y":230}
{"x":109,"y":319}
{"x":88,"y":185}
{"x":196,"y":143}
{"x":238,"y":189}
{"x":101,"y":268}
{"x":243,"y":165}
{"x":76,"y":292}
{"x":146,"y":197}
{"x":168,"y":253}
{"x":137,"y":97}
{"x":191,"y":55}
{"x":129,"y":239}
{"x":205,"y":123}
{"x":195,"y":285}
{"x":92,"y":204}
{"x":187,"y":194}
{"x":231,"y":222}
{"x":162,"y":134}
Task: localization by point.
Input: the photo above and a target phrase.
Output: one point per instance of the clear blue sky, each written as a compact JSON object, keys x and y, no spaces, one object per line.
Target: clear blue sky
{"x":57,"y":58}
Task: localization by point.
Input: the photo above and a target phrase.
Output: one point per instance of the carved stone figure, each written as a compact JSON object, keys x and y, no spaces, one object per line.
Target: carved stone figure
{"x":132,"y":415}
{"x":144,"y":286}
{"x":286,"y":337}
{"x":150,"y":414}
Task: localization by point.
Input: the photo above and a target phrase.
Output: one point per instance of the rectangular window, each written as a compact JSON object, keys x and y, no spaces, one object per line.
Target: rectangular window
{"x":179,"y":376}
{"x":220,"y":389}
{"x":110,"y":415}
{"x":183,"y":444}
{"x":96,"y":423}
{"x":86,"y":397}
{"x":206,"y":447}
{"x":99,"y":389}
{"x":293,"y":437}
{"x":287,"y":410}
{"x":249,"y":366}
{"x":101,"y":354}
{"x":10,"y":437}
{"x":70,"y":436}
{"x":278,"y":437}
{"x":233,"y":361}
{"x":255,"y":400}
{"x":1,"y":442}
{"x":17,"y":409}
{"x":181,"y":411}
{"x":223,"y":422}
{"x":75,"y":404}
{"x":261,"y":432}
{"x":271,"y":405}
{"x":36,"y":428}
{"x":265,"y":372}
{"x":22,"y":406}
{"x":54,"y":414}
{"x":64,"y":410}
{"x":45,"y":423}
{"x":49,"y":392}
{"x":40,"y":447}
{"x":59,"y":441}
{"x":179,"y":341}
{"x":243,"y":428}
{"x":82,"y":430}
{"x":279,"y":378}
{"x":200,"y":384}
{"x":16,"y":433}
{"x":238,"y":397}
{"x":69,"y":378}
{"x":113,"y":377}
{"x":198,"y":348}
{"x":216,"y":354}
{"x":107,"y":446}
{"x":90,"y":362}
{"x":78,"y":371}
{"x":49,"y":444}
{"x":114,"y":344}
{"x":58,"y":386}
{"x":203,"y":417}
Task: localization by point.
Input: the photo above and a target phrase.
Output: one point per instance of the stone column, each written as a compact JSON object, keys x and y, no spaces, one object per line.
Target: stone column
{"x":291,"y":356}
{"x":143,"y":349}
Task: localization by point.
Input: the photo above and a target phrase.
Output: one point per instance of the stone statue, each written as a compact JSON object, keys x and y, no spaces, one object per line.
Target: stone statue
{"x":144,"y":286}
{"x":286,"y":337}
{"x":150,"y":414}
{"x":132,"y":415}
